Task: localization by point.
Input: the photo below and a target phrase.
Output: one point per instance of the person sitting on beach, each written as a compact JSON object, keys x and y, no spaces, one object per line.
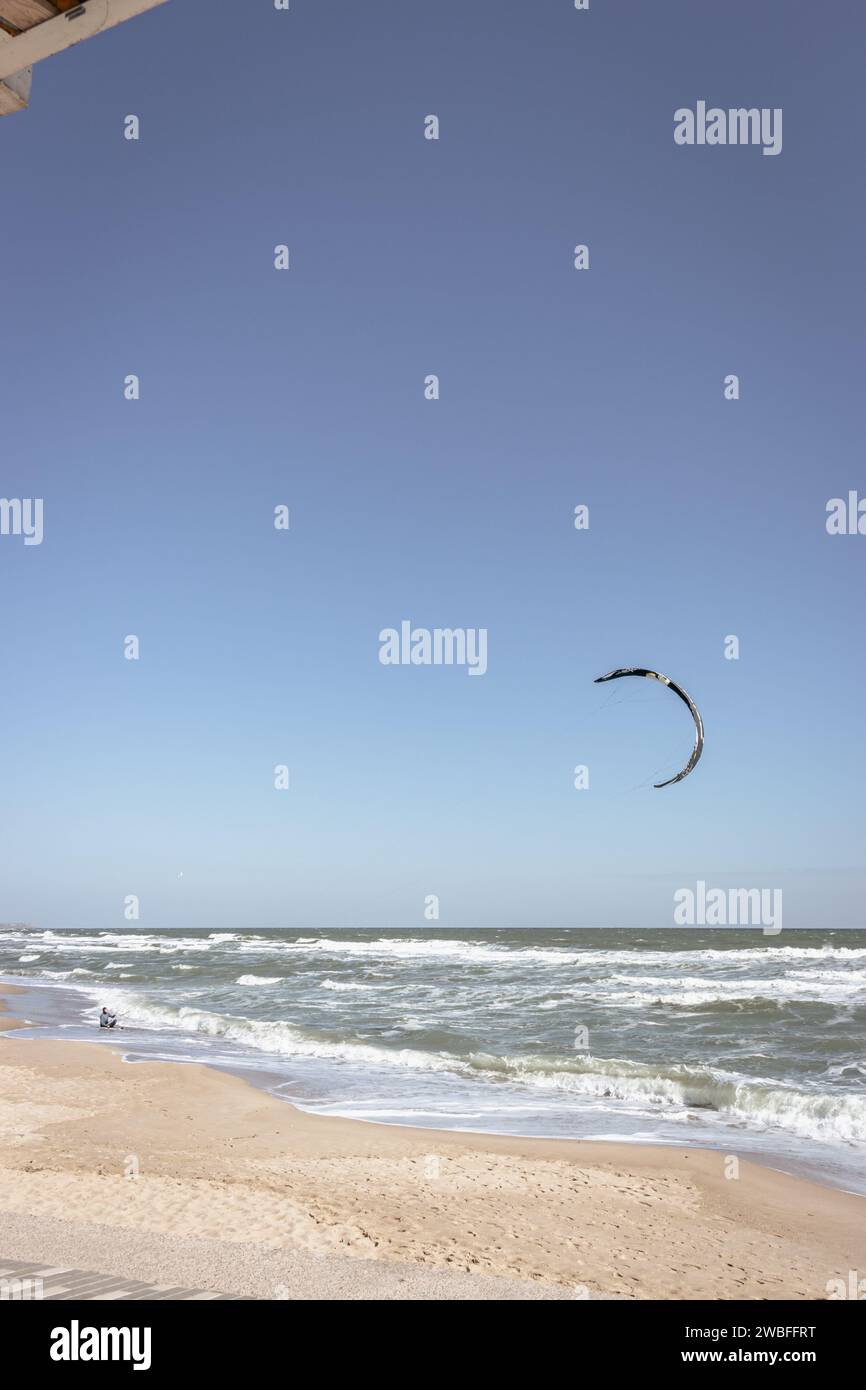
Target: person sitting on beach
{"x":107,"y":1019}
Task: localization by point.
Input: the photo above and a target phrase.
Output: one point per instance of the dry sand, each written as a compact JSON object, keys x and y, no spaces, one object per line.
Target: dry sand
{"x":182,"y":1174}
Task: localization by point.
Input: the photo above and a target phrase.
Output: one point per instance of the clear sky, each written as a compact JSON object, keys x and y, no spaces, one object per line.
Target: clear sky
{"x":601,"y":387}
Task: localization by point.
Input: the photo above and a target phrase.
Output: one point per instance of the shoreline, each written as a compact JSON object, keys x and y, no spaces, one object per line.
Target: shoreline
{"x":271,"y":1083}
{"x":187,"y":1173}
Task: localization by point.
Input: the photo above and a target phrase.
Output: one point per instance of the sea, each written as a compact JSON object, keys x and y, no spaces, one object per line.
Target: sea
{"x":726,"y":1038}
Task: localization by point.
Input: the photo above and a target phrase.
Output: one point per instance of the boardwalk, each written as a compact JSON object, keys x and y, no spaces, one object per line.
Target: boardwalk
{"x":21,"y":1280}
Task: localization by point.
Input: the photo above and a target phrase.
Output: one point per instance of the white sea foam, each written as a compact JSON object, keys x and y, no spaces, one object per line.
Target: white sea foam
{"x":483,"y":953}
{"x":685,"y":990}
{"x":63,"y":974}
{"x":282,"y":1039}
{"x":760,"y":1104}
{"x":258,"y":979}
{"x":464,"y":950}
{"x":810,"y":1115}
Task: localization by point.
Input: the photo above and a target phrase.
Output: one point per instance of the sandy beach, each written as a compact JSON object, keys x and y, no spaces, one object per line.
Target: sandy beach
{"x":180,"y":1173}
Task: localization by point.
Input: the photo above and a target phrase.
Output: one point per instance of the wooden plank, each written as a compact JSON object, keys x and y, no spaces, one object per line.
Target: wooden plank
{"x":23,"y":14}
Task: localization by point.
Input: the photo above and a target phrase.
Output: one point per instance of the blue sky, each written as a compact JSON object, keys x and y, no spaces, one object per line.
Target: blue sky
{"x":602,"y":387}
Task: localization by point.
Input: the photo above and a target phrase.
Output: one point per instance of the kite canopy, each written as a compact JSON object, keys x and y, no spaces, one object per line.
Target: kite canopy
{"x":686,"y":699}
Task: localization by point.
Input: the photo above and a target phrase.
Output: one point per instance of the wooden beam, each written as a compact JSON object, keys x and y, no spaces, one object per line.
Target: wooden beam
{"x":23,"y":14}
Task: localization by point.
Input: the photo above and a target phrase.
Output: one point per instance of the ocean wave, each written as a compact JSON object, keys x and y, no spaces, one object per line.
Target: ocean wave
{"x":395,"y":948}
{"x":474,"y":952}
{"x":258,"y":979}
{"x":756,"y":1103}
{"x":464,"y":951}
{"x":696,"y":993}
{"x":277,"y":1037}
{"x":111,"y":942}
{"x":810,"y":1115}
{"x":343,"y":986}
{"x":63,"y":974}
{"x":848,"y":976}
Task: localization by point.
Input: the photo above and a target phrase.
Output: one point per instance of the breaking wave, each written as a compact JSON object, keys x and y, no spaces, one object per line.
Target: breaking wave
{"x":763,"y":1105}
